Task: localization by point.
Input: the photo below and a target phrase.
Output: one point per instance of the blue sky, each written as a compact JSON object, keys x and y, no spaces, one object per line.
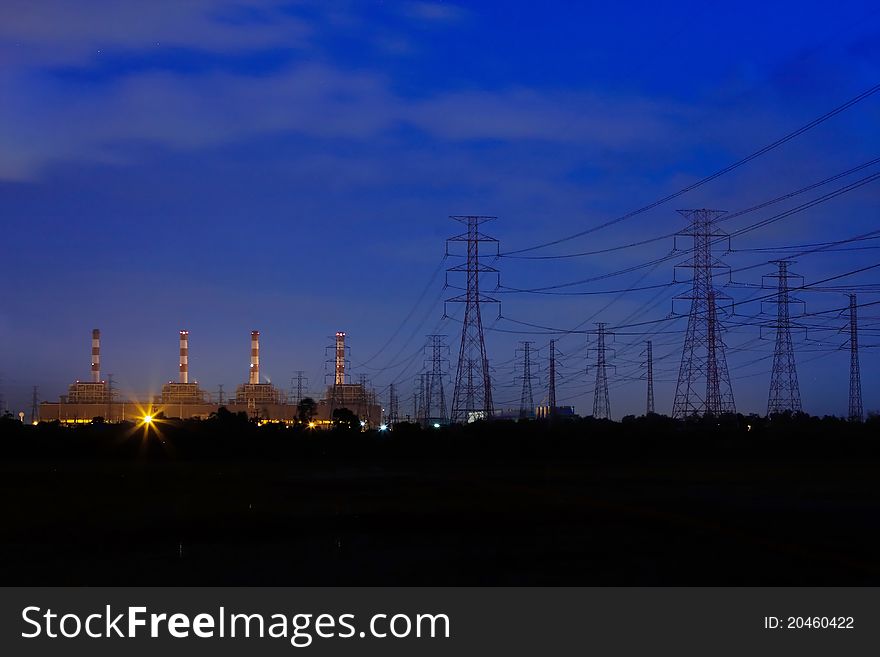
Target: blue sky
{"x":291,"y":166}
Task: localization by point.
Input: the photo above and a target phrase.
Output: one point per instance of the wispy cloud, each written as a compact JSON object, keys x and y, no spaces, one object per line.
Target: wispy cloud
{"x":60,"y":32}
{"x":442,"y":12}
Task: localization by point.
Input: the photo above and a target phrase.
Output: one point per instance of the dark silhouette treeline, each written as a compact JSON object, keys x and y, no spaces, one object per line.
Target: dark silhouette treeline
{"x":227,"y":435}
{"x":647,"y":501}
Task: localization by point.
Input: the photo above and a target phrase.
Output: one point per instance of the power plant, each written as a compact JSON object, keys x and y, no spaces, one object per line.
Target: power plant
{"x":183,"y":399}
{"x":95,"y":391}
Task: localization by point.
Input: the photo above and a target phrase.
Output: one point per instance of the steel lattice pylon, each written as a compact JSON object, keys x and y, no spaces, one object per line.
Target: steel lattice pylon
{"x":601,"y":403}
{"x":649,"y":406}
{"x":551,"y":392}
{"x":435,"y":395}
{"x":393,"y":415}
{"x":527,"y":399}
{"x":856,"y":412}
{"x":703,"y":360}
{"x":472,"y":395}
{"x":785,"y":394}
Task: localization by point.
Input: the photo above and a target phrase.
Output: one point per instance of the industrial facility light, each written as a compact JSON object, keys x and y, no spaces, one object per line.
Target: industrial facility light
{"x":148,"y":419}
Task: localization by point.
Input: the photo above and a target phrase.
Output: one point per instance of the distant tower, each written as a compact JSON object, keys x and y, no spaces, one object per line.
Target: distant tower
{"x":393,"y":405}
{"x":551,"y":392}
{"x":96,"y":356}
{"x":527,"y":400}
{"x":650,"y":362}
{"x":785,"y":394}
{"x":220,"y":396}
{"x":298,"y":386}
{"x":856,"y":414}
{"x":472,"y":399}
{"x":601,"y":404}
{"x":34,"y":404}
{"x":422,"y":399}
{"x":435,"y":396}
{"x":184,"y":357}
{"x":703,"y":358}
{"x":110,"y":395}
{"x":255,"y":358}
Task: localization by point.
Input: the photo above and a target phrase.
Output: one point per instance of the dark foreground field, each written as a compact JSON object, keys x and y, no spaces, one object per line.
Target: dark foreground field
{"x":700,"y":509}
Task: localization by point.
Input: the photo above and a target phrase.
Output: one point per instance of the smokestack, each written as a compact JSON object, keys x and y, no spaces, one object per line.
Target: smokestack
{"x":340,"y":358}
{"x":184,"y":356}
{"x":96,"y":356}
{"x":255,"y":357}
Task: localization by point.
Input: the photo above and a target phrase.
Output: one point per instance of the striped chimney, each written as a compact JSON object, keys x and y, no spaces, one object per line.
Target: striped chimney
{"x":184,"y":356}
{"x":255,"y":357}
{"x":340,"y":358}
{"x":96,"y":356}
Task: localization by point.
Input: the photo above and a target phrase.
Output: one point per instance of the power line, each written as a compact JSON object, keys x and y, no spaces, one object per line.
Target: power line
{"x":769,"y":147}
{"x":733,"y":215}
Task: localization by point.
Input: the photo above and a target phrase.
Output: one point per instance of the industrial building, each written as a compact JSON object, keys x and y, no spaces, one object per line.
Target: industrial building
{"x":186,"y":400}
{"x":356,"y":397}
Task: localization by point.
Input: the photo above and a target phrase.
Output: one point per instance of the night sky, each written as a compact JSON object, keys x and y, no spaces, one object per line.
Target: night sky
{"x":291,"y":166}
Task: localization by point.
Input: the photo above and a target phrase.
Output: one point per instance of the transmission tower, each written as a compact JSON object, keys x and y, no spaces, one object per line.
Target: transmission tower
{"x":527,"y":400}
{"x":298,"y":386}
{"x":393,"y":405}
{"x":551,"y":392}
{"x":34,"y":404}
{"x":220,"y":395}
{"x":421,"y":399}
{"x":703,"y":358}
{"x":435,"y":395}
{"x":856,"y":414}
{"x":649,"y":408}
{"x":785,"y":394}
{"x":111,"y":393}
{"x":601,"y":404}
{"x":472,"y":399}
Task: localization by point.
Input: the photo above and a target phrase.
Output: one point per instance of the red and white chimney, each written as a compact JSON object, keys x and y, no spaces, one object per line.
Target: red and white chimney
{"x":340,"y":358}
{"x":184,"y":357}
{"x":96,"y":356}
{"x":255,"y":357}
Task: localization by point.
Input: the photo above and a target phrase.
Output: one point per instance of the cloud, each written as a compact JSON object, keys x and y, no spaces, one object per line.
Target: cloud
{"x":530,"y":114}
{"x":41,"y":122}
{"x":434,"y":12}
{"x":61,"y":32}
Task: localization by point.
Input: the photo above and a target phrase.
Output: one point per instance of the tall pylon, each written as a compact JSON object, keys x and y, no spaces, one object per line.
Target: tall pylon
{"x":527,"y":399}
{"x":393,"y":415}
{"x":649,"y":354}
{"x":421,"y":406}
{"x":34,"y":404}
{"x":472,"y":396}
{"x":435,"y":394}
{"x":298,"y":386}
{"x":785,"y":394}
{"x":856,"y":413}
{"x":551,"y":384}
{"x":601,"y":403}
{"x":703,"y":359}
